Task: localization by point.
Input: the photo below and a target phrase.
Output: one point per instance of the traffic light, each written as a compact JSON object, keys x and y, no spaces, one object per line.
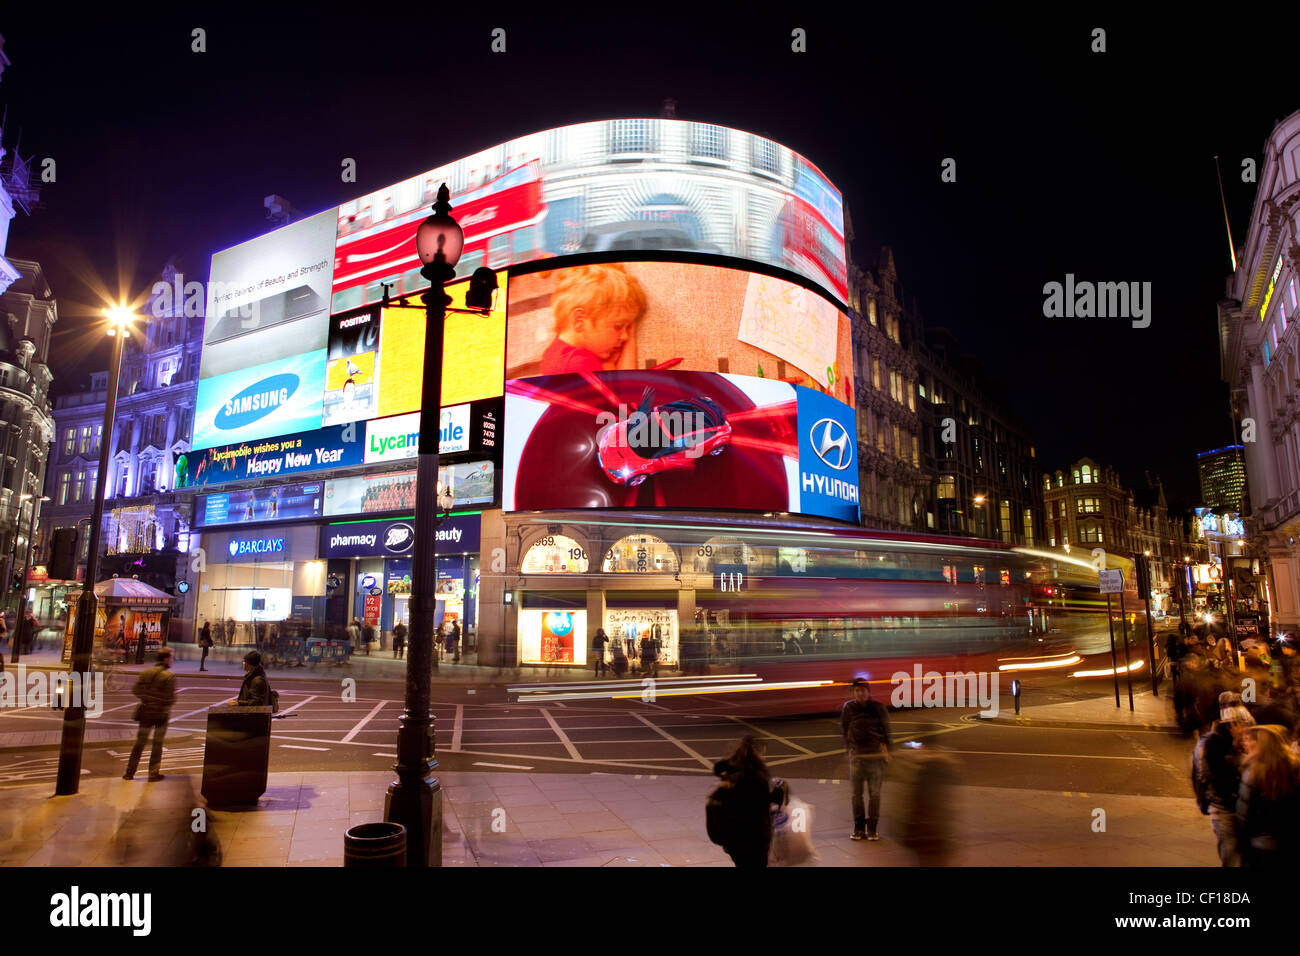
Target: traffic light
{"x":16,"y":582}
{"x":63,"y":554}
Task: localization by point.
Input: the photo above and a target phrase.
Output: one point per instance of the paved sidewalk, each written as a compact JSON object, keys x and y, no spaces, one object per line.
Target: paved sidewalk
{"x":1150,"y":713}
{"x":513,"y":819}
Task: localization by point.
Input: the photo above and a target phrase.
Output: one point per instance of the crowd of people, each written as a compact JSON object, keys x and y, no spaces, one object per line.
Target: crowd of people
{"x":1245,"y":714}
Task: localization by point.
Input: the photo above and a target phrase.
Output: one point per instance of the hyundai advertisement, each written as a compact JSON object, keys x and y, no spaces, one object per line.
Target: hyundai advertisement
{"x":274,"y":398}
{"x":666,"y":439}
{"x":692,"y":187}
{"x":681,"y":316}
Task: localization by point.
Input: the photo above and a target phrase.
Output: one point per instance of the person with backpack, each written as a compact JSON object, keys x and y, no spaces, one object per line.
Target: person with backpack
{"x":255,"y":691}
{"x":1216,"y":773}
{"x":865,"y":725}
{"x":738,"y":815}
{"x":156,"y":688}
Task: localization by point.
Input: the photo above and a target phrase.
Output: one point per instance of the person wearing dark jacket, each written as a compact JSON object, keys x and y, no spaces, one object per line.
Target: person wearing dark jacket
{"x":1218,"y":773}
{"x":255,"y":691}
{"x":399,"y":640}
{"x":865,"y":726}
{"x":156,"y":688}
{"x":205,"y":644}
{"x":1268,"y":804}
{"x":748,"y":804}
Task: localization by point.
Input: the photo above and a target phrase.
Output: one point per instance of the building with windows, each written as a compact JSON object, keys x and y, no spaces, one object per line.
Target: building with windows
{"x":1086,"y":507}
{"x":1223,"y":477}
{"x":28,"y":312}
{"x":982,"y":477}
{"x":146,"y":520}
{"x":889,"y":427}
{"x":1260,"y":360}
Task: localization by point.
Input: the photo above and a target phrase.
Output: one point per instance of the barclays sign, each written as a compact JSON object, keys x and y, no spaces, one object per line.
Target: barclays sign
{"x":255,"y":547}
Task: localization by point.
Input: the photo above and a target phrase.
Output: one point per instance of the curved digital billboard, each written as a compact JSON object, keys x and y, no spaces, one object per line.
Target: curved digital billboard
{"x":607,"y":186}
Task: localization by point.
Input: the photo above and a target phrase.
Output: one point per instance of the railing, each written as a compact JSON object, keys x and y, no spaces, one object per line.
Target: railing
{"x":1282,"y":509}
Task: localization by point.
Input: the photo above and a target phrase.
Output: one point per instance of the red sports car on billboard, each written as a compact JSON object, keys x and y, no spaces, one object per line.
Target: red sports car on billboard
{"x":655,"y":439}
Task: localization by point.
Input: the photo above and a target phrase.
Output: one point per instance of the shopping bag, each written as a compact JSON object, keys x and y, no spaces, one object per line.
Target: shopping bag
{"x":792,"y":834}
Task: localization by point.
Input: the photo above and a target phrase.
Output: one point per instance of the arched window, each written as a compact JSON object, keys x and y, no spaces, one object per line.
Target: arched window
{"x":1075,"y":477}
{"x":1087,"y":475}
{"x":554,"y":554}
{"x":643,"y":553}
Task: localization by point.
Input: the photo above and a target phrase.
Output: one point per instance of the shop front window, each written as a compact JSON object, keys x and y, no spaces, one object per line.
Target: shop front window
{"x":554,"y":554}
{"x":640,"y":553}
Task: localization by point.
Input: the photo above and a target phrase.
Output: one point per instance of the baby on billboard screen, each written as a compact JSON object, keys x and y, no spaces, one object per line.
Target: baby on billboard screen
{"x":596,"y":309}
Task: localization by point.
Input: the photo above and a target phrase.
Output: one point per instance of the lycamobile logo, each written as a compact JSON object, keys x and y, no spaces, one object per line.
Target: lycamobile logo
{"x":257,"y":401}
{"x":383,"y":444}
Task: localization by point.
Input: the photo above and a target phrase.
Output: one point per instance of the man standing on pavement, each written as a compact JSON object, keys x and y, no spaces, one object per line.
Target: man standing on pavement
{"x":865,"y":725}
{"x":156,"y":688}
{"x":399,"y":640}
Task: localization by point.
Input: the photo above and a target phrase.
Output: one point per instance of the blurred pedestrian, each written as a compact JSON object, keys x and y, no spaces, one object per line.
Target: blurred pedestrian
{"x":156,"y":688}
{"x":354,"y":634}
{"x":619,"y":666}
{"x":399,"y":640}
{"x":453,"y":642}
{"x":864,"y":724}
{"x":1216,"y":773}
{"x":1268,"y":805}
{"x":598,"y":650}
{"x":739,"y":813}
{"x":927,"y":821}
{"x":205,"y":645}
{"x":367,"y":636}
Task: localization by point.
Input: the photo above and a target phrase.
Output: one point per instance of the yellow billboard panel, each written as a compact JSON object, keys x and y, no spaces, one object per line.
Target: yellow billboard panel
{"x":473,"y":353}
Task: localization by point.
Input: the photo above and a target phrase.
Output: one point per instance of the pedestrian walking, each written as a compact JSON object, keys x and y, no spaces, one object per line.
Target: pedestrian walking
{"x":1216,"y":773}
{"x":255,"y":691}
{"x":156,"y":689}
{"x":865,"y":725}
{"x":598,"y":651}
{"x":354,"y":635}
{"x":453,"y":642}
{"x":738,"y":815}
{"x":399,"y":640}
{"x":619,"y":665}
{"x":1268,"y":804}
{"x":205,"y":645}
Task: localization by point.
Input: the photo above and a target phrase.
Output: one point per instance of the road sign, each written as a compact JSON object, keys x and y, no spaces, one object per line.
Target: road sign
{"x":1112,"y":581}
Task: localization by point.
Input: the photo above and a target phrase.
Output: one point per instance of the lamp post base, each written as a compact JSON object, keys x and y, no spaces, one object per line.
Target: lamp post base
{"x":418,"y":807}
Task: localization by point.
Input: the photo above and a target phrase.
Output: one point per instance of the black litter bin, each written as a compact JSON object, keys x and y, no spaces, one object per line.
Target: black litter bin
{"x":375,"y":845}
{"x":237,"y":755}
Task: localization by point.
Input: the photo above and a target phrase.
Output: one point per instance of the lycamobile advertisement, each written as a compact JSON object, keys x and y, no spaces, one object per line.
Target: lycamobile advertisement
{"x":335,"y":447}
{"x":274,"y":398}
{"x":398,"y":438}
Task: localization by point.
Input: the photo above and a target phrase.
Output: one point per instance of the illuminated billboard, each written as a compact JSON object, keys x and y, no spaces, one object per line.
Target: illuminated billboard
{"x":668,"y":439}
{"x":269,"y":297}
{"x":634,"y":184}
{"x":277,"y":503}
{"x":683,"y":316}
{"x":317,"y":450}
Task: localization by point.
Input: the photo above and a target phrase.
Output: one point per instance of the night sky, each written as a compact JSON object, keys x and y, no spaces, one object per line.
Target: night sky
{"x":1100,"y":165}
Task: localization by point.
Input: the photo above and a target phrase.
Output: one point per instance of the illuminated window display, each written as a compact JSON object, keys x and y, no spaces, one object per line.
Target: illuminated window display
{"x":553,"y":637}
{"x":555,"y":554}
{"x":632,"y":627}
{"x":640,"y":553}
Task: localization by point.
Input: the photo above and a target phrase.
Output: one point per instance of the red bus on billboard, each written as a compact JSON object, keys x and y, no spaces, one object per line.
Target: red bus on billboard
{"x":491,"y":215}
{"x":812,"y":229}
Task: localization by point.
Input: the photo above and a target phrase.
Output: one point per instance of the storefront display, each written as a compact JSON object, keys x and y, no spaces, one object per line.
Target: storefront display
{"x":553,"y":636}
{"x":634,"y":626}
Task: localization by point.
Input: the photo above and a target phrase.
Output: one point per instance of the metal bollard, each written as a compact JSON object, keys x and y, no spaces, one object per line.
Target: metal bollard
{"x":1015,"y":695}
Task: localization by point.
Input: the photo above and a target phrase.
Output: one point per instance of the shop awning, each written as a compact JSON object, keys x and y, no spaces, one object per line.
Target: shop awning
{"x":131,"y":591}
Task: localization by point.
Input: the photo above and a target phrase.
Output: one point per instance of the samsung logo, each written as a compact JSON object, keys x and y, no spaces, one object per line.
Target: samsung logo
{"x":257,"y":401}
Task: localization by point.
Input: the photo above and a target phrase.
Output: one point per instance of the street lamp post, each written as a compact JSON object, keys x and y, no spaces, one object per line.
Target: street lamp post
{"x":74,"y":716}
{"x":415,"y":798}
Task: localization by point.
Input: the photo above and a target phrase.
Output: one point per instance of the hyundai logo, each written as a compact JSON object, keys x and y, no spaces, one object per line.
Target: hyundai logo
{"x":830,"y":442}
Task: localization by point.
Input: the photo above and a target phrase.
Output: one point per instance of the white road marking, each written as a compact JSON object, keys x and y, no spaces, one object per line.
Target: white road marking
{"x":503,"y":766}
{"x":362,"y":723}
{"x":295,"y":747}
{"x":457,"y":726}
{"x":771,"y":736}
{"x":667,"y":736}
{"x":394,"y":756}
{"x":564,"y":738}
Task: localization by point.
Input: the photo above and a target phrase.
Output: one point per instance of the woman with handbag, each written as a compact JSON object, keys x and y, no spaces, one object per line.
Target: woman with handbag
{"x":739,"y":811}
